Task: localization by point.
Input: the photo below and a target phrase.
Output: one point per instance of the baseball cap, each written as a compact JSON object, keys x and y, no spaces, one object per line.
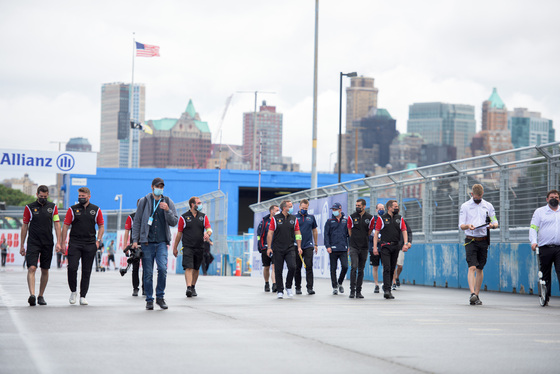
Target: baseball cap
{"x":157,"y":182}
{"x":336,"y":206}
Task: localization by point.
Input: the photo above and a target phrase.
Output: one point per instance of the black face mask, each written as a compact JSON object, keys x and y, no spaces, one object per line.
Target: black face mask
{"x":82,"y":200}
{"x":477,"y":201}
{"x":42,"y":200}
{"x":553,"y":202}
{"x":395,"y":212}
{"x":358,"y":210}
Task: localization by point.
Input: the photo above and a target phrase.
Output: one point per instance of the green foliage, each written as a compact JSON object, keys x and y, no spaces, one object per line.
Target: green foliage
{"x":14,"y":197}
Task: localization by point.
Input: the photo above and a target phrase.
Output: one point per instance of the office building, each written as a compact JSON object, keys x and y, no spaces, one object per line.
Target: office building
{"x":405,"y":151}
{"x":119,"y":145}
{"x":443,"y":124}
{"x":78,"y":145}
{"x":431,"y":154}
{"x":496,"y":136}
{"x":529,"y":128}
{"x":268,"y":125}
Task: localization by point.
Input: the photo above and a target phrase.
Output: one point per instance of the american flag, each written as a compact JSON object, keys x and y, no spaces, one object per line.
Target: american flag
{"x":146,"y":50}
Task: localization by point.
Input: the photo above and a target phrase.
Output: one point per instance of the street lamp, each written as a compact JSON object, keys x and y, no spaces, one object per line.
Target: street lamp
{"x":353,"y":74}
{"x":119,"y":198}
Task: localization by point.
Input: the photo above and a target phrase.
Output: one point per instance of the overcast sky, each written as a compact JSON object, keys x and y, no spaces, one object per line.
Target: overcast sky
{"x":57,"y":54}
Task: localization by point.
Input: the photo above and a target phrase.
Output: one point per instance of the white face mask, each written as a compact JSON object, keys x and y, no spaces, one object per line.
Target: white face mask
{"x":158,"y":191}
{"x":199,"y":208}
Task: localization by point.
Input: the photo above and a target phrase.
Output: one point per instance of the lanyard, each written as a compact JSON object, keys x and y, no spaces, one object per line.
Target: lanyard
{"x":156,"y":206}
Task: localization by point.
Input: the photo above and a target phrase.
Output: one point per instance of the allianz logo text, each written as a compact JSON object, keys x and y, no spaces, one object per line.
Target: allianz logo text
{"x":64,"y":162}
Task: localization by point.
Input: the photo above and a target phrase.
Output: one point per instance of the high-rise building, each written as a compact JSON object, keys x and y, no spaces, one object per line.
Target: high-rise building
{"x":405,"y":151}
{"x":431,"y":154}
{"x":361,"y":98}
{"x":443,"y":124}
{"x":529,"y":128}
{"x":78,"y":145}
{"x":119,"y":146}
{"x":495,"y":134}
{"x":177,"y":143}
{"x":268,"y":136}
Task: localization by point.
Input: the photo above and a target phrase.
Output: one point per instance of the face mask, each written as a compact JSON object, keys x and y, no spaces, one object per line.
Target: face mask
{"x":335,"y":213}
{"x":395,"y":212}
{"x":477,"y":201}
{"x":82,"y":200}
{"x":381,"y":212}
{"x":303,"y":211}
{"x":42,"y":200}
{"x":199,"y":208}
{"x":358,"y":210}
{"x":553,"y":202}
{"x":291,"y":210}
{"x":158,"y":191}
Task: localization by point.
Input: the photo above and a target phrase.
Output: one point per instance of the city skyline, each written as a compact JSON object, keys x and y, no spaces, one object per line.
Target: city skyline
{"x":417,"y":52}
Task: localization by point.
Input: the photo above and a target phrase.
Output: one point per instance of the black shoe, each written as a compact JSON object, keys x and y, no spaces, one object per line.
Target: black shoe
{"x":340,"y":288}
{"x":31,"y":300}
{"x":398,"y":282}
{"x":352,"y":294}
{"x":376,"y":289}
{"x":298,"y":291}
{"x":161,"y":303}
{"x":266,"y":287}
{"x":189,"y":291}
{"x":135,"y":292}
{"x":274,"y":288}
{"x":359,"y":295}
{"x":310,"y":291}
{"x":472,"y":299}
{"x":193,"y":291}
{"x":41,"y":300}
{"x":388,"y":295}
{"x":149,"y":305}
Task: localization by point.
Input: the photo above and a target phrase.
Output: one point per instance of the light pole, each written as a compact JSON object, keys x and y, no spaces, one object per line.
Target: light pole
{"x":353,"y":74}
{"x":119,"y":198}
{"x":315,"y":78}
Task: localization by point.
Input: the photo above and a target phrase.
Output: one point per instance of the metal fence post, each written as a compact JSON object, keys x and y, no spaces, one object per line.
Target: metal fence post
{"x":504,"y":204}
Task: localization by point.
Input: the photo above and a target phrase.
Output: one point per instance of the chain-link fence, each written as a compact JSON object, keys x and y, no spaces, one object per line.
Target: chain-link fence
{"x":515,"y":182}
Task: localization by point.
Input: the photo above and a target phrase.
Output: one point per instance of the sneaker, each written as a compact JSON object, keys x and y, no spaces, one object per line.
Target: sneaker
{"x":477,"y":302}
{"x":352,"y":294}
{"x":83,"y":301}
{"x":161,"y":303}
{"x":266,"y":287}
{"x":340,"y":288}
{"x":298,"y":291}
{"x":274,"y":288}
{"x":310,"y":291}
{"x":359,"y":295}
{"x":135,"y":292}
{"x":335,"y":291}
{"x":388,"y":296}
{"x":73,"y":297}
{"x":193,"y":291}
{"x":393,"y":287}
{"x":280,"y":295}
{"x":41,"y":300}
{"x":289,"y":292}
{"x":398,"y":282}
{"x":189,"y":291}
{"x":149,"y":305}
{"x":31,"y":300}
{"x":472,"y":299}
{"x":376,"y":289}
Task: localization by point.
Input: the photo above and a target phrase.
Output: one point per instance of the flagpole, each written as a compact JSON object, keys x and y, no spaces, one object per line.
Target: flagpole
{"x":130,"y":104}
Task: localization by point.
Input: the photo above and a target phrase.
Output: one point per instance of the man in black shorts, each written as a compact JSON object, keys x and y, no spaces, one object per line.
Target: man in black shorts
{"x":262,"y":245}
{"x":374,"y":259}
{"x":38,"y":219}
{"x":194,"y":228}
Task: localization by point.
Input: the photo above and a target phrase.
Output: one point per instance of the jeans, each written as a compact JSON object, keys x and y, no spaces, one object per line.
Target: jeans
{"x":281,"y":255}
{"x":358,"y":258}
{"x":308,"y":260}
{"x":157,"y":251}
{"x":389,"y":255}
{"x":334,"y":257}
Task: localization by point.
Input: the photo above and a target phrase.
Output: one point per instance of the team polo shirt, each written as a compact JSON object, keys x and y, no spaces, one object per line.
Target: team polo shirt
{"x":390,"y":228}
{"x":307,"y":224}
{"x":475,"y":214}
{"x":193,"y":228}
{"x":545,"y":227}
{"x":284,"y":231}
{"x":40,"y":219}
{"x":262,"y":232}
{"x":359,"y":225}
{"x":83,"y":221}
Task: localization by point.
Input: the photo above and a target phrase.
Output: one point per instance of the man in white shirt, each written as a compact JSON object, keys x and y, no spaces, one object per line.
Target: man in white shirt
{"x":476,"y":217}
{"x":545,"y":233}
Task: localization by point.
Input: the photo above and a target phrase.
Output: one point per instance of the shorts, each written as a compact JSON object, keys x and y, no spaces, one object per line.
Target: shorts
{"x":39,"y":253}
{"x":110,"y":258}
{"x":476,"y":253}
{"x":192,"y":258}
{"x":400,"y":259}
{"x":373,"y":259}
{"x":266,"y":259}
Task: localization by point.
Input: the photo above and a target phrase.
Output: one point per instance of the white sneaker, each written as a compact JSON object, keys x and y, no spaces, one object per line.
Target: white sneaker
{"x":280,"y":295}
{"x":289,"y":292}
{"x":73,"y":297}
{"x":83,"y":301}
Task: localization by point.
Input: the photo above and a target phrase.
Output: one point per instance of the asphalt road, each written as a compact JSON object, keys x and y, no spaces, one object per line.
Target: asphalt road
{"x":235,"y":327}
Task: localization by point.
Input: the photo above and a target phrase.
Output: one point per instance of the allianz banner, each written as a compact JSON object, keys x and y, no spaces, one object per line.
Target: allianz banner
{"x":45,"y":161}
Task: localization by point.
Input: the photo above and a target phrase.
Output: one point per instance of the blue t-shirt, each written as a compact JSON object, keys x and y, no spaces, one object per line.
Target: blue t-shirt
{"x":306,"y":225}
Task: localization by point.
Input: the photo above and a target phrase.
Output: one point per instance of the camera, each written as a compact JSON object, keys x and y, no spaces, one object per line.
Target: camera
{"x":133,"y":254}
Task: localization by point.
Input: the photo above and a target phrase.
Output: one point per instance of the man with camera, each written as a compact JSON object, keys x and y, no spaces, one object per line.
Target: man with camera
{"x":155,"y":215}
{"x":134,"y":256}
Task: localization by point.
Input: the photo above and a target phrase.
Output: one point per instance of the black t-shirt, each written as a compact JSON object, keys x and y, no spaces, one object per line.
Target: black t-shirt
{"x":359,"y":225}
{"x":40,"y":223}
{"x":193,"y":229}
{"x":390,"y":228}
{"x":83,"y":221}
{"x":284,"y":231}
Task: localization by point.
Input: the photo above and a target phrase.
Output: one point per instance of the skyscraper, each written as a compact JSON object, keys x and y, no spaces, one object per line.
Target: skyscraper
{"x":269,"y":135}
{"x":529,"y":128}
{"x":495,"y":134}
{"x":443,"y":124}
{"x":119,"y":146}
{"x":78,"y":145}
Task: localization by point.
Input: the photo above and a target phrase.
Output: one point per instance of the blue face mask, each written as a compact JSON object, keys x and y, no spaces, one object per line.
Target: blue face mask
{"x":335,"y":213}
{"x":303,"y":211}
{"x":381,"y":212}
{"x":199,"y":208}
{"x":158,"y":191}
{"x":291,"y":210}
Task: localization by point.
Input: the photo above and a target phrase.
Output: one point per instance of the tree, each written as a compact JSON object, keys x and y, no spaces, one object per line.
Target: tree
{"x":14,"y":197}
